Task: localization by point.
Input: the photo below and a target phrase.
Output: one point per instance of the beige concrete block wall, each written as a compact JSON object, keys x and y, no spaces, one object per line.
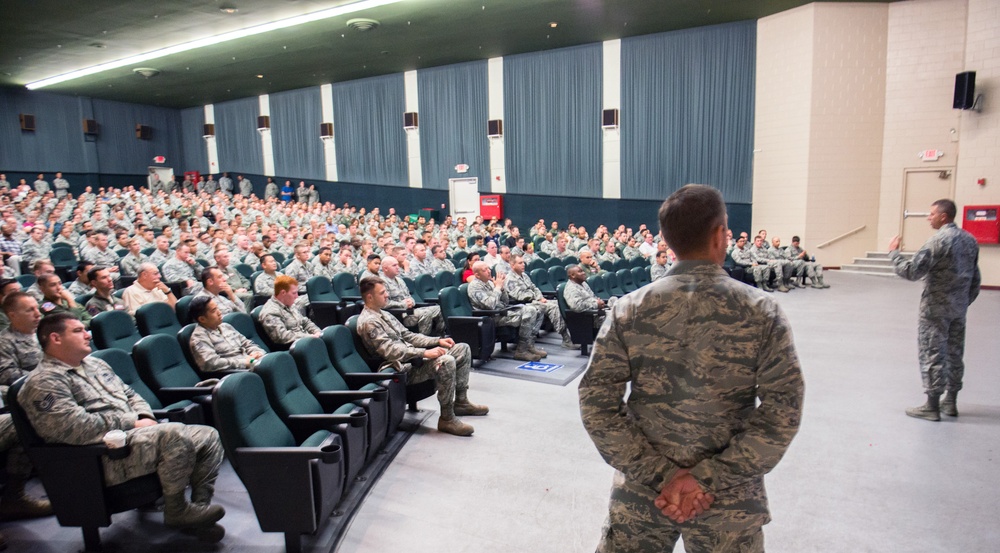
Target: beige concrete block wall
{"x":781,"y":134}
{"x":979,"y":144}
{"x":845,"y":144}
{"x":926,"y":48}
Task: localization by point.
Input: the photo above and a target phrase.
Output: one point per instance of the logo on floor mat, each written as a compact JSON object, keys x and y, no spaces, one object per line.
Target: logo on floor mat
{"x":539,"y":367}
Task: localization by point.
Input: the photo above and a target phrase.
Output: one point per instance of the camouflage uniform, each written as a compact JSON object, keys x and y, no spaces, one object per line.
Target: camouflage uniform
{"x":18,"y":464}
{"x":441,"y":265}
{"x":697,"y":349}
{"x":528,"y":320}
{"x":19,"y":353}
{"x":79,"y":405}
{"x":657,"y":271}
{"x":283,"y":324}
{"x":264,"y":284}
{"x":107,"y":258}
{"x":761,"y":271}
{"x":777,"y":258}
{"x":130,"y":264}
{"x":328,"y":270}
{"x":32,"y":251}
{"x":387,"y":339}
{"x":950,"y":261}
{"x":579,"y":297}
{"x":222,"y":349}
{"x":418,"y":267}
{"x":175,"y":270}
{"x":225,"y":305}
{"x":428,"y":320}
{"x":49,"y":307}
{"x":813,"y":270}
{"x":301,"y":272}
{"x":158,"y":258}
{"x":521,"y":289}
{"x":796,"y":267}
{"x":98,"y":305}
{"x":78,"y":288}
{"x":237,"y":281}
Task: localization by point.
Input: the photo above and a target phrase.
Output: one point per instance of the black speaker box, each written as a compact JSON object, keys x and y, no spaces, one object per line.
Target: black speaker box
{"x":494,"y":128}
{"x":209,"y":129}
{"x":264,"y":122}
{"x":965,"y":90}
{"x":326,"y":129}
{"x":142,"y":132}
{"x":27,"y":121}
{"x":410,"y":120}
{"x":90,"y":127}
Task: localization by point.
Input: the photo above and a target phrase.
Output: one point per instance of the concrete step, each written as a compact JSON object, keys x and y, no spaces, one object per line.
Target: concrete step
{"x":880,"y":261}
{"x":885,"y":255}
{"x":868,"y":269}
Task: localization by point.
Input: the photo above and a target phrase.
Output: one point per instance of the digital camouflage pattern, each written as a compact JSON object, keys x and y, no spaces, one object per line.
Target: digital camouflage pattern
{"x":949,"y":265}
{"x":426,"y":319}
{"x":521,"y":289}
{"x":386,"y":338}
{"x":79,"y":405}
{"x":483,"y":295}
{"x":19,"y":353}
{"x":222,"y":349}
{"x":283,"y":324}
{"x":697,"y":349}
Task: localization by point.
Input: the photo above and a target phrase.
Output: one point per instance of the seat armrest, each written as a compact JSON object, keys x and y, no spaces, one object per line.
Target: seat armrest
{"x":332,"y":399}
{"x":305,"y":425}
{"x":279,"y":458}
{"x":491,"y":312}
{"x":173,"y":395}
{"x":351,"y":298}
{"x":360,"y":379}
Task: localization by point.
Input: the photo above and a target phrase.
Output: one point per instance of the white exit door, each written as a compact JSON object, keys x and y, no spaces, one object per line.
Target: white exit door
{"x":921,"y":188}
{"x":464,"y":197}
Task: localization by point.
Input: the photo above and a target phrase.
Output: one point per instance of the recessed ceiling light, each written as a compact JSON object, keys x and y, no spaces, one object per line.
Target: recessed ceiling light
{"x":553,"y":24}
{"x":362,"y":24}
{"x":228,"y":9}
{"x":260,"y":76}
{"x":98,"y":45}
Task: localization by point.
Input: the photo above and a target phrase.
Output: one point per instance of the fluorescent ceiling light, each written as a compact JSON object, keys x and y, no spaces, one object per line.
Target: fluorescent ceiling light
{"x":209,"y":41}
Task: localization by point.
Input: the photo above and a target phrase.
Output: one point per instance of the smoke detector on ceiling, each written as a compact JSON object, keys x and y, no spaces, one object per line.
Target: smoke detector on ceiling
{"x":362,"y":24}
{"x":146,"y":71}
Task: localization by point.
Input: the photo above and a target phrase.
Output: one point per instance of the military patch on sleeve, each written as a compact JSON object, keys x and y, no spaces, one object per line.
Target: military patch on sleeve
{"x":45,"y":405}
{"x":373,"y":333}
{"x":48,"y":306}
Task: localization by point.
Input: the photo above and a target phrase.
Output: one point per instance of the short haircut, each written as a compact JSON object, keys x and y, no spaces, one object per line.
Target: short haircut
{"x":82,"y":266}
{"x":324,"y":249}
{"x":368,"y":284}
{"x":373,"y":257}
{"x":435,"y":250}
{"x":198,"y":307}
{"x":55,"y":323}
{"x":264,"y":257}
{"x":12,"y":299}
{"x":947,"y":207}
{"x":92,"y":273}
{"x":689,"y":215}
{"x":795,"y":239}
{"x":207,"y":274}
{"x":284,"y":283}
{"x":48,"y":277}
{"x":144,"y":267}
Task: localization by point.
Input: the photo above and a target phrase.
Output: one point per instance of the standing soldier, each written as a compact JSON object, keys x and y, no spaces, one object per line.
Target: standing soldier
{"x":246,"y":187}
{"x":697,"y":350}
{"x":61,"y":185}
{"x":950,"y":261}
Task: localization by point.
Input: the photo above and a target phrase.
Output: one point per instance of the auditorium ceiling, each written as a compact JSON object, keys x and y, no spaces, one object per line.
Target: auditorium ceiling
{"x":45,"y":38}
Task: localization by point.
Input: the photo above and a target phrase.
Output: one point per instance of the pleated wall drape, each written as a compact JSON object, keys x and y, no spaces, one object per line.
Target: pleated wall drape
{"x":237,"y":138}
{"x":368,"y":125}
{"x":295,"y":119}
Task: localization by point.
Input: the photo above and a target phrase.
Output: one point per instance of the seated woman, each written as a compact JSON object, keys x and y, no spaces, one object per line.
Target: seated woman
{"x":467,"y":274}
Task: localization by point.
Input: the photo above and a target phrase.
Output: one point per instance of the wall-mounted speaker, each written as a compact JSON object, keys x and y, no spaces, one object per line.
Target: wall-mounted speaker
{"x":609,"y":118}
{"x":27,"y":121}
{"x":965,"y":90}
{"x":326,"y":130}
{"x":142,"y":132}
{"x":410,"y":120}
{"x":263,"y":122}
{"x":209,"y":129}
{"x":90,"y":127}
{"x":494,"y":128}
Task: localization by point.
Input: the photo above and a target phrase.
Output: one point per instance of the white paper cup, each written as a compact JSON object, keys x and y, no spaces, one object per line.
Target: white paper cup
{"x":115,"y":439}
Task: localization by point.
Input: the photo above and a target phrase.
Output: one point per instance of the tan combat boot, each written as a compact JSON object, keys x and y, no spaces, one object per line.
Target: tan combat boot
{"x":541,"y":353}
{"x":15,"y":504}
{"x":454,"y":426}
{"x":465,"y":408}
{"x":930,"y":411}
{"x":524,"y":353}
{"x":178,"y":513}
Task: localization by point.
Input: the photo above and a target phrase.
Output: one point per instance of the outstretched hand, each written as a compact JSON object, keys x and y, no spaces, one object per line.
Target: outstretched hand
{"x":683,"y":498}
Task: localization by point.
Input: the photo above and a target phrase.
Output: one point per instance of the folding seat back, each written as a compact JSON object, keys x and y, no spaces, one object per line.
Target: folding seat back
{"x":541,"y":279}
{"x":346,"y":287}
{"x":580,"y":324}
{"x":324,"y":304}
{"x":82,"y":299}
{"x":557,"y":276}
{"x":611,"y":283}
{"x":459,"y":258}
{"x":271,"y":345}
{"x":279,"y":257}
{"x":458,"y":277}
{"x":570,"y":260}
{"x":622,"y":264}
{"x":536,"y":263}
{"x":640,"y":276}
{"x":443,"y":279}
{"x":114,"y":329}
{"x":121,"y":362}
{"x":343,"y":352}
{"x":157,"y":318}
{"x":181,"y":310}
{"x":320,"y":376}
{"x":553,"y":262}
{"x":625,"y":280}
{"x":300,"y":410}
{"x":596,"y":283}
{"x":427,"y":288}
{"x":244,"y":269}
{"x":294,"y":485}
{"x":479,"y":332}
{"x":638,"y":262}
{"x":321,"y":289}
{"x":607,"y":265}
{"x":161,"y":365}
{"x":243,"y":324}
